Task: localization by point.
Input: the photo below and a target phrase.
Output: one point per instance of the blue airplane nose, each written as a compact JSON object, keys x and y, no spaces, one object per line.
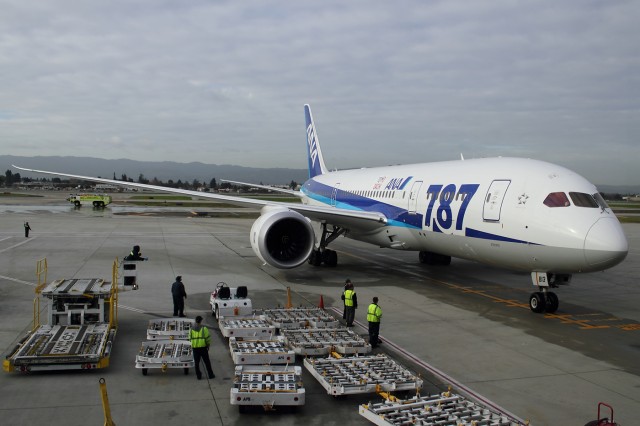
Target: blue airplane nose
{"x":605,"y":245}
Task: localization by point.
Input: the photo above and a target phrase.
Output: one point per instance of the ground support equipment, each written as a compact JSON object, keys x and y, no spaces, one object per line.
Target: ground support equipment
{"x":169,"y":328}
{"x":65,"y":347}
{"x":230,"y":301}
{"x":165,"y":354}
{"x":257,"y":328}
{"x":80,"y":330}
{"x":300,"y":318}
{"x":444,"y":409}
{"x":322,"y":341}
{"x":259,"y":352}
{"x":361,"y":374}
{"x":268,"y":386}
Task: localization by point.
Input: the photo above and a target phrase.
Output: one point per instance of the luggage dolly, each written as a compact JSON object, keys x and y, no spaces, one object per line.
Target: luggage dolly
{"x":603,"y":421}
{"x":165,"y":354}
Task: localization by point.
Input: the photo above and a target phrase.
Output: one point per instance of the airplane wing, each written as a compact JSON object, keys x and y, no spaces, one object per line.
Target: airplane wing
{"x":352,"y":219}
{"x":267,"y":187}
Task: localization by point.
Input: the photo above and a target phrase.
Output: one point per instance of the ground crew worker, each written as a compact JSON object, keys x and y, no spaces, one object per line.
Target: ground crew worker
{"x":179,"y":294}
{"x":135,"y":254}
{"x":27,"y":228}
{"x":374,"y":313}
{"x":200,"y":339}
{"x":350,"y":303}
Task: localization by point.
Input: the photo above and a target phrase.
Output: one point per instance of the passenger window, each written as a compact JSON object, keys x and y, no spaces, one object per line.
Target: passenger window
{"x":556,"y":199}
{"x":583,"y":200}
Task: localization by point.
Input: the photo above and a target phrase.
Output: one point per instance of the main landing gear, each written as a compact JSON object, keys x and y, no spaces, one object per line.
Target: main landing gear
{"x":322,"y":254}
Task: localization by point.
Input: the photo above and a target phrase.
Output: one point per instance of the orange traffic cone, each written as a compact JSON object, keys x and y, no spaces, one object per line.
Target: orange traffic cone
{"x":321,"y":305}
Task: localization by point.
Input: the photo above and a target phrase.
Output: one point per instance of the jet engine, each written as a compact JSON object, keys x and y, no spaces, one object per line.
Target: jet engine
{"x":282,"y":238}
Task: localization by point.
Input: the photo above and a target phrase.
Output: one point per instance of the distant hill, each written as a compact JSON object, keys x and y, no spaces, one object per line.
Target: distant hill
{"x":164,"y":171}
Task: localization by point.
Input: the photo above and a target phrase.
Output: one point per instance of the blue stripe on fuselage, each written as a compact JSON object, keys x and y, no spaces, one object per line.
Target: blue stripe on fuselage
{"x":396,"y":216}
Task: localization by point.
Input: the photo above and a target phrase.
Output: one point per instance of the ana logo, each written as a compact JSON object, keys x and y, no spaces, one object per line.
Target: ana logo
{"x":397,"y":183}
{"x":313,"y":144}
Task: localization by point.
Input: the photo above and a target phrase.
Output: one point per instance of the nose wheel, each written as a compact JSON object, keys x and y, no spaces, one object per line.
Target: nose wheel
{"x":544,"y":301}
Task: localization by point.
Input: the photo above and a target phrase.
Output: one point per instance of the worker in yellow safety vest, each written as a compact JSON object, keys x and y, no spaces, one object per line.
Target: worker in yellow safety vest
{"x":374,"y":313}
{"x":350,"y":302}
{"x":200,"y":339}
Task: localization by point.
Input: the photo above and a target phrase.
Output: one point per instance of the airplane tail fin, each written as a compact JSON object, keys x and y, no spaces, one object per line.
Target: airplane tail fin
{"x":316,"y":162}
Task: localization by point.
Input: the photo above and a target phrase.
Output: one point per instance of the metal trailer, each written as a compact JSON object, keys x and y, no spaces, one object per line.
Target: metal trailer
{"x":165,"y":354}
{"x":259,"y":352}
{"x":257,"y":328}
{"x":228,"y":302}
{"x":267,"y":386}
{"x":444,"y":409}
{"x":169,"y":328}
{"x":79,"y":331}
{"x":362,"y":374}
{"x":294,"y":318}
{"x":322,"y":341}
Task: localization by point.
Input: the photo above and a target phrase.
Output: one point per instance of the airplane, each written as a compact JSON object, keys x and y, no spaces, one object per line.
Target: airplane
{"x":514,"y":213}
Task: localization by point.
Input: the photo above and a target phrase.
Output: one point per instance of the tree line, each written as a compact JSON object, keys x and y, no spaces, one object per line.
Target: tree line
{"x":9,"y":179}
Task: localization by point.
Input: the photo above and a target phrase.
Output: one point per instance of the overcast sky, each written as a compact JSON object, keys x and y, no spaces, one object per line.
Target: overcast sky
{"x":224,"y":82}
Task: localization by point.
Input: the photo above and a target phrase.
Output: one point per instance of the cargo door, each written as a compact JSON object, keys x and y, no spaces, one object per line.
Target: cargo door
{"x":493,"y":200}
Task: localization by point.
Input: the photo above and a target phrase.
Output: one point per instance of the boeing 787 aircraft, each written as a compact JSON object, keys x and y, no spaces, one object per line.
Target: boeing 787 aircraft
{"x":514,"y":213}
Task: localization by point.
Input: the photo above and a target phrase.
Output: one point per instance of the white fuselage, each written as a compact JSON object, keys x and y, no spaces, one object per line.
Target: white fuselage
{"x":497,"y":211}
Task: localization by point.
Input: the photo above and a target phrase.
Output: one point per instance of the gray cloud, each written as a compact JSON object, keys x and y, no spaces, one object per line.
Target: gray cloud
{"x":224,"y":82}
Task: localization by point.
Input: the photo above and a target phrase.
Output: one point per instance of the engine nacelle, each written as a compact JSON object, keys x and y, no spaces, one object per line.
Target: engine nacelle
{"x":282,"y":238}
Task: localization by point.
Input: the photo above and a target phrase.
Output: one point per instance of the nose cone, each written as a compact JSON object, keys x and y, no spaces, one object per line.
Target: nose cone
{"x":605,"y":245}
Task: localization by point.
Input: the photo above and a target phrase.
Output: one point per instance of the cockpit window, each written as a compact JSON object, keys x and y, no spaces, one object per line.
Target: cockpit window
{"x":601,"y":202}
{"x":583,"y":200}
{"x":557,"y":199}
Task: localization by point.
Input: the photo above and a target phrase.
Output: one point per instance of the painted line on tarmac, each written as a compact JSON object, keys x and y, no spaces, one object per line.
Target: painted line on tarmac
{"x":568,"y":319}
{"x":15,"y":280}
{"x":17,"y":245}
{"x":441,"y":375}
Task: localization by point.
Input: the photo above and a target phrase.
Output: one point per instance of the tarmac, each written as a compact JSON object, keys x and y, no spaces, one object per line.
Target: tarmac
{"x":467,"y":325}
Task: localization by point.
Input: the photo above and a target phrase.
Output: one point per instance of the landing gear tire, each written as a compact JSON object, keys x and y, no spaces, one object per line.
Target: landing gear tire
{"x":552,"y":303}
{"x":330,"y":258}
{"x":144,"y":371}
{"x":316,"y":258}
{"x":186,"y":371}
{"x":537,"y":302}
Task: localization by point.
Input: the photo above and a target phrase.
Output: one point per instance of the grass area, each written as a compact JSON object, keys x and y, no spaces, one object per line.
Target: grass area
{"x":16,"y":194}
{"x":620,"y":204}
{"x":159,"y":197}
{"x":189,"y":203}
{"x":629,"y":219}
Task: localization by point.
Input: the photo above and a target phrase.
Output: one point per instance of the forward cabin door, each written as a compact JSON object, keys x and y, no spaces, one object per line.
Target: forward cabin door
{"x":494,"y":199}
{"x":413,"y":197}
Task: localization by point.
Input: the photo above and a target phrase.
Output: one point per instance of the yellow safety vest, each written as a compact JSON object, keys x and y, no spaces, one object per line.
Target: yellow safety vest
{"x":374,"y":313}
{"x":200,"y":338}
{"x":348,"y":297}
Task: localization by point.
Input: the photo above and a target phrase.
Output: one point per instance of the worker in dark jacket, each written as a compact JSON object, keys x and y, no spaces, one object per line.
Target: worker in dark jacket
{"x":135,"y":254}
{"x":200,"y":341}
{"x":179,"y":294}
{"x":27,"y":228}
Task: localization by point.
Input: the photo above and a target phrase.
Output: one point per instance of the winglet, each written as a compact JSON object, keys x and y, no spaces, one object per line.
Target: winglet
{"x":316,"y":162}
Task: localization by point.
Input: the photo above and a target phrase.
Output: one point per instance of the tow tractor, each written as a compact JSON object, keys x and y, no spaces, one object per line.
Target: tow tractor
{"x":80,"y":328}
{"x":228,"y":301}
